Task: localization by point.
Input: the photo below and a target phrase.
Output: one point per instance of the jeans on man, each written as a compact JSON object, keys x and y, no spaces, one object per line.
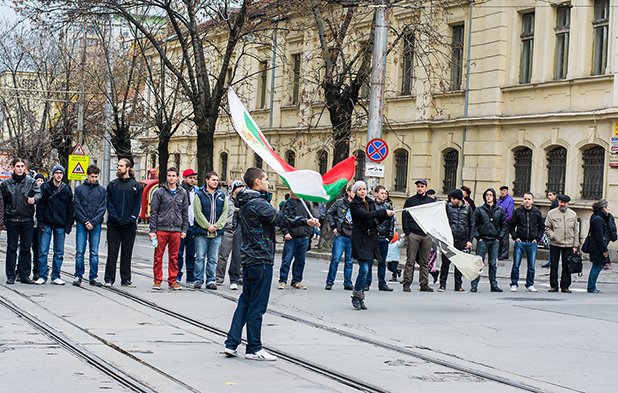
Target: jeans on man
{"x":489,"y":248}
{"x":93,"y":237}
{"x":446,"y":263}
{"x":46,"y":236}
{"x":18,"y":235}
{"x":250,"y":308}
{"x":188,"y":243}
{"x":555,"y":254}
{"x":206,"y":254}
{"x":340,"y":244}
{"x":420,"y":244}
{"x":361,"y":279}
{"x":595,"y":270}
{"x":381,"y":266}
{"x":518,"y":248}
{"x":230,"y":244}
{"x":294,"y":248}
{"x":36,"y":249}
{"x":119,"y":239}
{"x":171,"y":240}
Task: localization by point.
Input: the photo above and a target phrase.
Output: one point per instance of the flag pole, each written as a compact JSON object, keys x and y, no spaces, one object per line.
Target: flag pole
{"x":306,"y":208}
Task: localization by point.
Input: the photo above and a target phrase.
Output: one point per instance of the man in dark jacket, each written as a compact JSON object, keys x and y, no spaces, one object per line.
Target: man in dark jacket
{"x":90,"y":204}
{"x":124,"y":199}
{"x":386,"y":229}
{"x":489,"y":227}
{"x":339,"y":220}
{"x":55,"y":214}
{"x":460,"y":218}
{"x":417,"y":241}
{"x":231,"y":241}
{"x":169,"y":221}
{"x":19,"y":194}
{"x":295,"y":245}
{"x":258,"y":220}
{"x":527,"y":228}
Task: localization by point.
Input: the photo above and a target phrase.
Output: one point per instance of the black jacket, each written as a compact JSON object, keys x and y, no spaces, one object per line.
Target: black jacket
{"x":461,"y":220}
{"x":599,"y":237}
{"x":124,"y":199}
{"x":89,"y":203}
{"x":365,"y":245}
{"x":55,"y":208}
{"x":258,"y":220}
{"x":489,"y":223}
{"x":293,"y":208}
{"x":409,"y":225}
{"x":15,"y":192}
{"x":527,"y":224}
{"x":386,"y":229}
{"x":336,"y":217}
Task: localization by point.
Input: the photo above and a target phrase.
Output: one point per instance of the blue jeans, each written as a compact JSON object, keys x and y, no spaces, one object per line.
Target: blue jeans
{"x":361,"y":279}
{"x":206,"y":250}
{"x":530,"y":248}
{"x":490,"y":247}
{"x":341,"y":244}
{"x":46,"y":236}
{"x":593,"y":276}
{"x":250,"y":308}
{"x":381,"y":266}
{"x":93,"y":237}
{"x":187,"y":243}
{"x":294,"y":248}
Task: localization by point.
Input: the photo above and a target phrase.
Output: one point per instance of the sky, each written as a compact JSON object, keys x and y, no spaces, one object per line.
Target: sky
{"x":6,"y":13}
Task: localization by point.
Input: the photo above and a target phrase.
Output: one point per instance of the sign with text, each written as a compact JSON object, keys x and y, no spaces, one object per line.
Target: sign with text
{"x":374,"y":170}
{"x":77,"y":167}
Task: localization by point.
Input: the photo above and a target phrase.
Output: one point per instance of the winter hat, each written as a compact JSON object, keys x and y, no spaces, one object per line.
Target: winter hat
{"x":39,"y":176}
{"x":58,"y":168}
{"x":358,"y":185}
{"x":564,"y":198}
{"x":395,"y":237}
{"x":457,"y":194}
{"x":599,"y":205}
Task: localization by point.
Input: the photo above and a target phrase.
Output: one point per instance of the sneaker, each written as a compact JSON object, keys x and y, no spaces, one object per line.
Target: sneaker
{"x":26,"y":280}
{"x":406,"y":288}
{"x":496,"y":289}
{"x":385,"y":288}
{"x":77,"y":282}
{"x":95,"y":283}
{"x":156,"y":286}
{"x":441,"y":289}
{"x":107,"y":284}
{"x":128,"y":284}
{"x":229,"y":352}
{"x":57,"y":281}
{"x":189,"y":283}
{"x":553,"y":290}
{"x":348,"y":287}
{"x":10,"y":281}
{"x":425,"y":288}
{"x":212,"y":286}
{"x":473,"y":289}
{"x":566,"y":290}
{"x":39,"y":281}
{"x":197,"y":285}
{"x":513,"y":288}
{"x":176,"y":287}
{"x":461,"y":290}
{"x":298,"y":285}
{"x":546,"y":266}
{"x":281,"y":285}
{"x":531,"y":288}
{"x":233,"y":287}
{"x":594,"y":291}
{"x":261,"y":355}
{"x":328,"y":287}
{"x":35,"y":276}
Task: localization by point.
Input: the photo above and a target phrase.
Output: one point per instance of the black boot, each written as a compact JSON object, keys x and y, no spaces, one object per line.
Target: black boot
{"x":362,"y":301}
{"x":356,"y":300}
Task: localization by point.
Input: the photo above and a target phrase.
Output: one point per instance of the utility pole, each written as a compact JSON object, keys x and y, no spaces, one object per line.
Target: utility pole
{"x":82,"y":99}
{"x":466,"y":96}
{"x":108,"y":111}
{"x":378,"y":75}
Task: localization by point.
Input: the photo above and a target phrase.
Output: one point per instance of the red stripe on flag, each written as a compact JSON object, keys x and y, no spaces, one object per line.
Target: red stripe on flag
{"x":343,"y":170}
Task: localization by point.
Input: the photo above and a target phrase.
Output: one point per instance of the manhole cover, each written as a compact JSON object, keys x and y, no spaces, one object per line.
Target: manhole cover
{"x":533,"y":299}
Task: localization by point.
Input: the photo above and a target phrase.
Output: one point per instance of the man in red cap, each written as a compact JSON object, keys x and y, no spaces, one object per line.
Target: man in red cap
{"x":189,"y":179}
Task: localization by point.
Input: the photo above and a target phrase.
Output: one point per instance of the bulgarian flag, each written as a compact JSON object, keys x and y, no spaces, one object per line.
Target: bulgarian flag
{"x":305,"y":183}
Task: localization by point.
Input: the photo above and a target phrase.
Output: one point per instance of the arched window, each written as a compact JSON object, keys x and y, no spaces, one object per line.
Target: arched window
{"x":523,"y":170}
{"x":401,"y":170}
{"x":290,"y":157}
{"x":322,"y":162}
{"x":556,"y":169}
{"x":223,"y":173}
{"x":359,"y":171}
{"x":594,"y":162}
{"x":258,"y":161}
{"x":451,"y":160}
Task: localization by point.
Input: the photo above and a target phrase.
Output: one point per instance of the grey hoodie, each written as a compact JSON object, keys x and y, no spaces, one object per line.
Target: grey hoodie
{"x":168,"y":211}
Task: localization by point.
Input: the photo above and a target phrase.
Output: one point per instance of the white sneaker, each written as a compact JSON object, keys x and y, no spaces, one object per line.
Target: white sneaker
{"x":513,"y":288}
{"x":229,"y":352}
{"x":57,"y":281}
{"x":233,"y":286}
{"x":39,"y":281}
{"x":531,"y":288}
{"x":261,"y":355}
{"x":107,"y":284}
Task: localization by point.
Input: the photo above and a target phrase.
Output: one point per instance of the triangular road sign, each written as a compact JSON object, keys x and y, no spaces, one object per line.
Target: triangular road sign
{"x":79,"y":150}
{"x":78,"y":170}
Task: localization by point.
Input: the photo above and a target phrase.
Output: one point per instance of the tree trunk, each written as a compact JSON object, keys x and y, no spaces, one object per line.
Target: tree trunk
{"x":205,"y":146}
{"x":341,"y":121}
{"x":121,"y":140}
{"x":164,"y":155}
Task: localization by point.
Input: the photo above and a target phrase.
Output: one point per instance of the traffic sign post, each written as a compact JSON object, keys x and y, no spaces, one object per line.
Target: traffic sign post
{"x":77,"y":166}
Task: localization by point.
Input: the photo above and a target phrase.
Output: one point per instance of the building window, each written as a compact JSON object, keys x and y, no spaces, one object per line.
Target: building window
{"x":290,"y":157}
{"x":600,"y":27}
{"x":451,"y":161}
{"x":258,"y":161}
{"x":457,"y":46}
{"x":359,"y":171}
{"x":223,"y":166}
{"x":594,"y":162}
{"x":322,"y":162}
{"x":153,"y":160}
{"x":295,"y":78}
{"x":523,"y":171}
{"x":563,"y":26}
{"x":401,"y":170}
{"x":262,"y":79}
{"x":556,"y":169}
{"x":177,"y":160}
{"x":527,"y":46}
{"x":407,"y":64}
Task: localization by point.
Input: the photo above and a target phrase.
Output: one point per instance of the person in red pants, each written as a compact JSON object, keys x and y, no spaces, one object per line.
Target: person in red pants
{"x":169,"y":221}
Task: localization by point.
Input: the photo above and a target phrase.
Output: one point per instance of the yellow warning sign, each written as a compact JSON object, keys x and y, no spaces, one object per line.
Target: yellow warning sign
{"x":77,"y":167}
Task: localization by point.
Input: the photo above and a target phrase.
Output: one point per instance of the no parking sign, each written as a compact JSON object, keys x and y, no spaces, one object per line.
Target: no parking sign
{"x":376,"y":150}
